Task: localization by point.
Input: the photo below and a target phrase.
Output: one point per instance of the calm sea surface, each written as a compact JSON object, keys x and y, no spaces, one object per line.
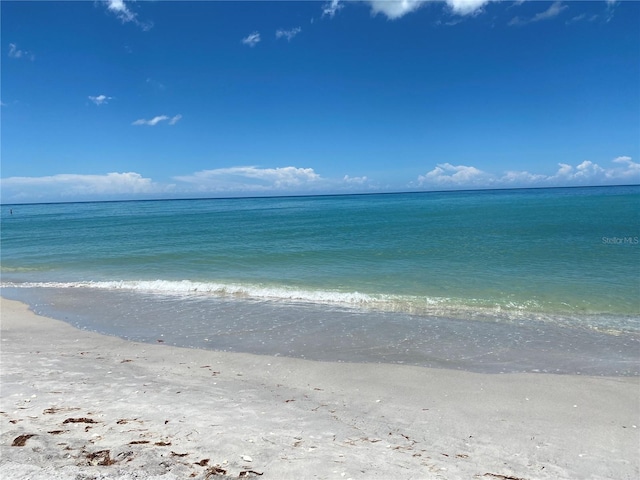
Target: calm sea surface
{"x":510,"y":280}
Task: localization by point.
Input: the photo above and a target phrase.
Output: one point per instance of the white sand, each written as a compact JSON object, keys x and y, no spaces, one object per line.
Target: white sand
{"x":205,"y":414}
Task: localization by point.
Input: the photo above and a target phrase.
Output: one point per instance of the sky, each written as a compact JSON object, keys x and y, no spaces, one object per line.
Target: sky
{"x":106,"y":100}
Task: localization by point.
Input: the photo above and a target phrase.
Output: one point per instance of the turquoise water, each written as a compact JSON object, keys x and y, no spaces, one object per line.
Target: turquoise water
{"x":565,"y":258}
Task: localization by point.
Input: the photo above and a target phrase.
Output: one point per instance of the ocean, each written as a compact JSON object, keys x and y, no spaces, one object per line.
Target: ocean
{"x":496,"y":281}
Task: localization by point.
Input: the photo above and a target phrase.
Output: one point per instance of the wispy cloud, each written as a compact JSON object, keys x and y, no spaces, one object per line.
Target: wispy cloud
{"x":264,"y":181}
{"x":100,"y":99}
{"x":555,"y":9}
{"x":583,"y":17}
{"x":156,"y":85}
{"x":331,"y":8}
{"x":446,"y":175}
{"x":15,"y":52}
{"x":73,"y":186}
{"x":288,"y":34}
{"x":610,"y":9}
{"x":252,"y":39}
{"x":158,"y":119}
{"x":124,"y":13}
{"x":251,"y":178}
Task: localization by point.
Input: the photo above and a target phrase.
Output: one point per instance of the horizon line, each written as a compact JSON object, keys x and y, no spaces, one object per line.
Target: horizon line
{"x":310,"y":195}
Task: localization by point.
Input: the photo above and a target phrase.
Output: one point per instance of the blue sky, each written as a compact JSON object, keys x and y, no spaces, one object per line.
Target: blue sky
{"x":124,"y":100}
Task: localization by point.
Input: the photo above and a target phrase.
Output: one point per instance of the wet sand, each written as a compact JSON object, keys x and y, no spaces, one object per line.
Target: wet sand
{"x":78,"y":405}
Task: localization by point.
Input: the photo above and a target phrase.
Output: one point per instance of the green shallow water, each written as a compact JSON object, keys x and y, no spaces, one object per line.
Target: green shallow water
{"x":548,"y":252}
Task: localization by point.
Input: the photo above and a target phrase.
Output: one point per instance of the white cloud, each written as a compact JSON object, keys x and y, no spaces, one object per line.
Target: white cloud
{"x":555,"y":9}
{"x":15,"y":52}
{"x":100,"y":99}
{"x":288,"y":34}
{"x":629,"y":168}
{"x":586,"y":173}
{"x":156,"y":120}
{"x":331,"y":8}
{"x":232,"y":181}
{"x":252,"y":39}
{"x":120,"y":9}
{"x":394,"y":9}
{"x":466,"y":7}
{"x":251,"y":178}
{"x":264,"y":181}
{"x":355,"y":180}
{"x":447,"y":174}
{"x":72,"y":186}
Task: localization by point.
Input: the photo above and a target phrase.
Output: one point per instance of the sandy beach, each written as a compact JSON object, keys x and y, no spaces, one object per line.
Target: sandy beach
{"x":79,"y":405}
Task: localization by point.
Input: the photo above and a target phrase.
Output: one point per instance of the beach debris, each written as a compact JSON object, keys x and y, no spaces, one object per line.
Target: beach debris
{"x":162,"y":444}
{"x":138,"y":442}
{"x":101,"y":458}
{"x":203,"y":462}
{"x":56,"y":432}
{"x":79,"y":420}
{"x":52,"y":410}
{"x":174,"y":454}
{"x":246,"y":458}
{"x":128,"y":455}
{"x":124,"y":421}
{"x":21,"y":440}
{"x":503,"y":477}
{"x":246,"y":473}
{"x":214,"y":470}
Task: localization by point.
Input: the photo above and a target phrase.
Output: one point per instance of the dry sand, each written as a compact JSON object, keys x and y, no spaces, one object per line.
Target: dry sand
{"x":78,"y":405}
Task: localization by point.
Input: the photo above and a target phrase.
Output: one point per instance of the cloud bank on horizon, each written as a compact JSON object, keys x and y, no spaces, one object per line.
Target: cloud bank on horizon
{"x":290,"y":180}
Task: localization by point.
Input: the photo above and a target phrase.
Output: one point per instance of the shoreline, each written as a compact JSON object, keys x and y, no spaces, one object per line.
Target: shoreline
{"x":329,"y":333}
{"x":103,"y":407}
